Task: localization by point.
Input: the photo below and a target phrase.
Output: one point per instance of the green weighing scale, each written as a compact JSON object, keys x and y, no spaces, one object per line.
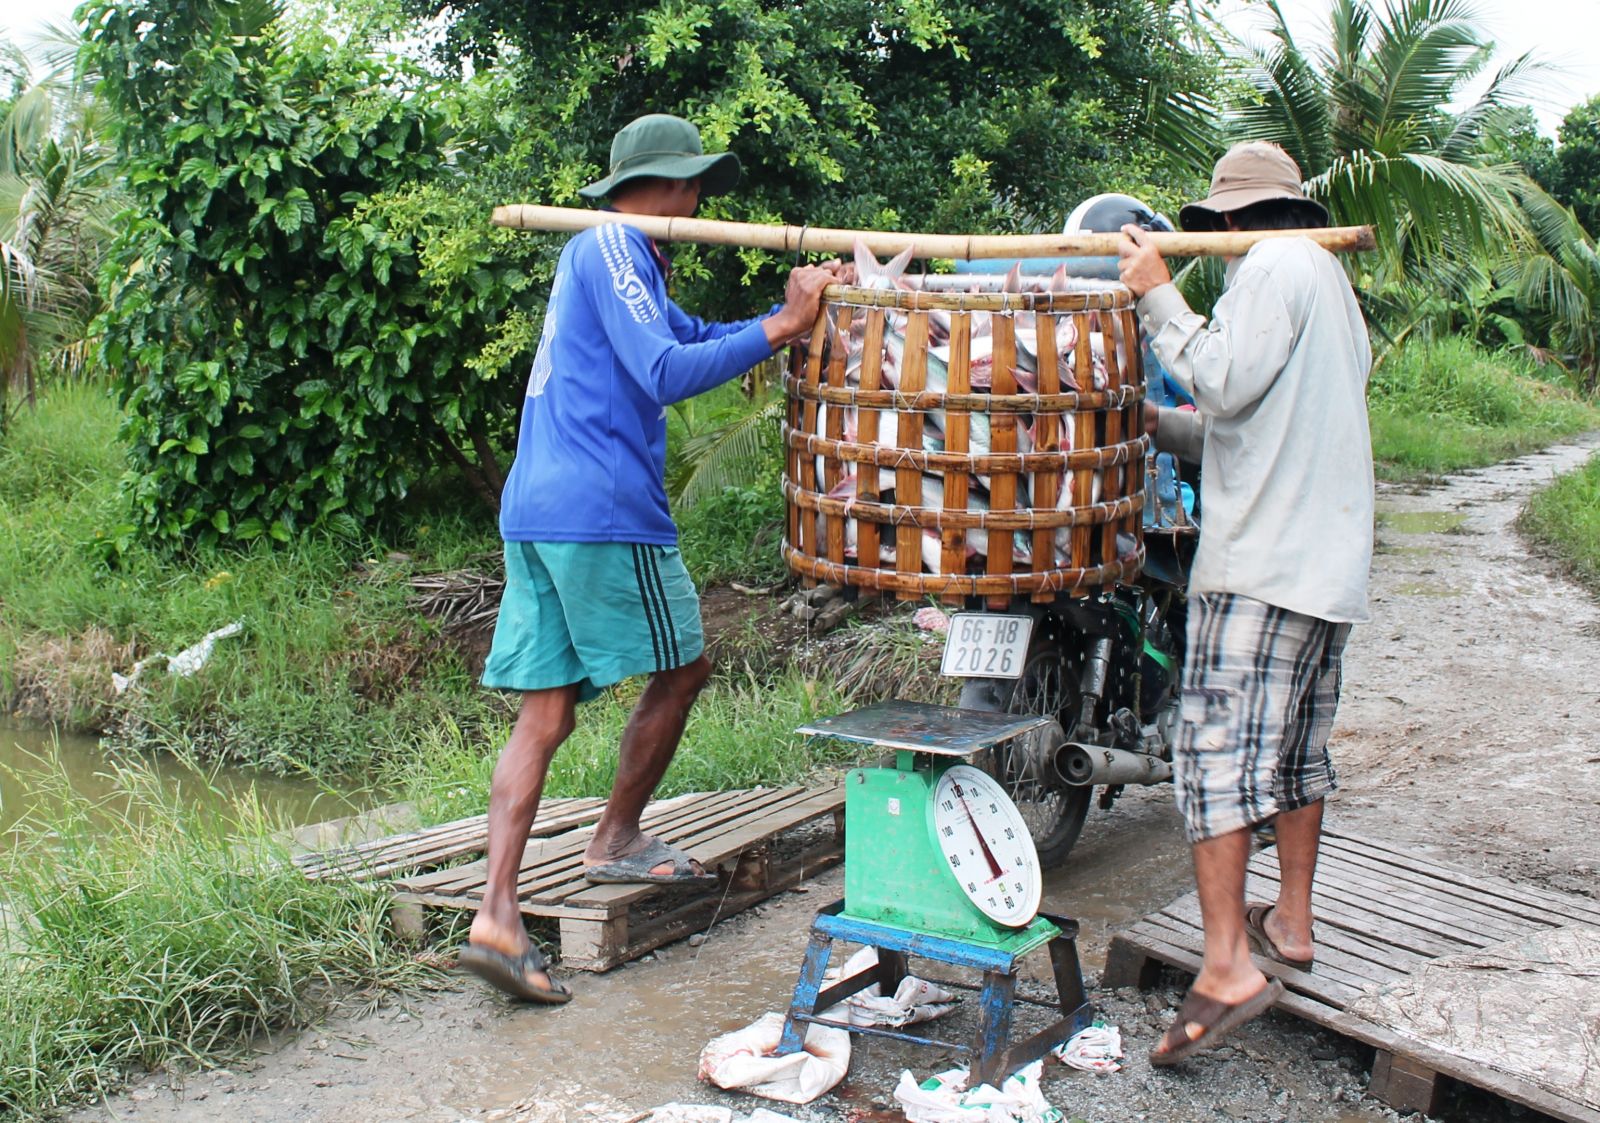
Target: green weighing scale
{"x":939,"y":864}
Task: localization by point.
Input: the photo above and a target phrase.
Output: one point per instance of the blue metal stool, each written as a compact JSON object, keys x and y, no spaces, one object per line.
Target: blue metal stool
{"x":993,"y":1058}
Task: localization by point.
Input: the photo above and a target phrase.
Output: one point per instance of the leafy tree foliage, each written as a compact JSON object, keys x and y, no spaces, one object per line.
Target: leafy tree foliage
{"x":1577,"y":178}
{"x":919,"y":114}
{"x":290,"y":353}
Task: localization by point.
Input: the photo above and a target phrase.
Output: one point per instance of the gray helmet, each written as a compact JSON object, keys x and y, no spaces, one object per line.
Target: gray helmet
{"x":1107,"y":214}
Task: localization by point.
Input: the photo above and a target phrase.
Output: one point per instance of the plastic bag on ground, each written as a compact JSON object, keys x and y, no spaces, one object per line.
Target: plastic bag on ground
{"x":1096,"y":1049}
{"x":691,"y":1113}
{"x":945,"y":1098}
{"x":914,"y":1000}
{"x":743,"y":1061}
{"x":184,"y":664}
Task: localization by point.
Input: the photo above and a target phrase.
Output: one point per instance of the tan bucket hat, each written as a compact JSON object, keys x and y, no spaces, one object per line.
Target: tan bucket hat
{"x":1253,"y":172}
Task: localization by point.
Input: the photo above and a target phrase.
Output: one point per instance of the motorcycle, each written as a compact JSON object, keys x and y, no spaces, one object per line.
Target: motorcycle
{"x":1106,"y":667}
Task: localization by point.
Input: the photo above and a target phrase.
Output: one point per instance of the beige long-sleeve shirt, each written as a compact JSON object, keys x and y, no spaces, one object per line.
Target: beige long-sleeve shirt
{"x":1279,"y":376}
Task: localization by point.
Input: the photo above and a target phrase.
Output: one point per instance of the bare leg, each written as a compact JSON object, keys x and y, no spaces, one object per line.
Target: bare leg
{"x":543,"y":723}
{"x":1226,"y":972}
{"x":648,"y":745}
{"x":1289,"y":922}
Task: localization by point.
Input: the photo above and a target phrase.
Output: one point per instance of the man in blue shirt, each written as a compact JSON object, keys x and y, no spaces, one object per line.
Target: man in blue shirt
{"x":595,"y":588}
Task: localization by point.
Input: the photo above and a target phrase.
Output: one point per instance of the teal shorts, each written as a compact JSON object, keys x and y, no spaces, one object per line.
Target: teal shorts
{"x":591,"y":613}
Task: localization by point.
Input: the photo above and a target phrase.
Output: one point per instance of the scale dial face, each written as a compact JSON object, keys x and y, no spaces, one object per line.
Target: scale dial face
{"x":987,"y":846}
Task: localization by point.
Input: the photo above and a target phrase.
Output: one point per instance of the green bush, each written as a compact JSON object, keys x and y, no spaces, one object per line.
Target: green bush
{"x":1446,"y":405}
{"x":735,"y":534}
{"x":290,"y":354}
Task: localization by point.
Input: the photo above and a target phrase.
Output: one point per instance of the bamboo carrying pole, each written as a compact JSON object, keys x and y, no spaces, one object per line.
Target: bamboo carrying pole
{"x":966,"y":247}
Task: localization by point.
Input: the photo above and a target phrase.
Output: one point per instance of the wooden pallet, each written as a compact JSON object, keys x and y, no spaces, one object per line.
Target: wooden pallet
{"x":435,"y":846}
{"x":1381,"y":913}
{"x":601,"y":926}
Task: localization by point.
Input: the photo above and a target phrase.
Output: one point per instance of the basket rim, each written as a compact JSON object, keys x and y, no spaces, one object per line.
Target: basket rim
{"x":1112,"y":298}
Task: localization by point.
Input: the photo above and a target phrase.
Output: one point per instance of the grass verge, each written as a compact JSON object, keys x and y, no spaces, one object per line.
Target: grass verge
{"x":1564,"y":520}
{"x":1447,"y":405}
{"x":740,"y":735}
{"x":139,"y":932}
{"x":333,"y":665}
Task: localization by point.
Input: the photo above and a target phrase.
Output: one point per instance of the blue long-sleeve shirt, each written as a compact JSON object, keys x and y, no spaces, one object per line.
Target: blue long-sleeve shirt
{"x":614,"y":354}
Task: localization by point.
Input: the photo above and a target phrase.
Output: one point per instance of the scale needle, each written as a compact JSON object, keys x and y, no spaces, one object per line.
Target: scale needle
{"x":988,"y":855}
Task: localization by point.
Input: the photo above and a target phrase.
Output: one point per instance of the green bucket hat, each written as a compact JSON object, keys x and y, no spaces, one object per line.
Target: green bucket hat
{"x":659,"y":144}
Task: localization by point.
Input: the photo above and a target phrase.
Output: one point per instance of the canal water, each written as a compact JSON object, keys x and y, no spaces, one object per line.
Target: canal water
{"x":35,"y":762}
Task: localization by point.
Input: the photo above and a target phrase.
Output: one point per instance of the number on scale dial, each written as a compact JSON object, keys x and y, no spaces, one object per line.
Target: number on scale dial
{"x":987,"y":845}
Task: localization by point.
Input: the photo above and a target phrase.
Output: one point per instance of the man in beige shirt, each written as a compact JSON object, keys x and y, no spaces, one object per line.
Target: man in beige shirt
{"x":1279,"y":381}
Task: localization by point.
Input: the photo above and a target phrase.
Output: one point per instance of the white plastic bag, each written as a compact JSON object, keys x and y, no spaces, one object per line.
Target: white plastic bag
{"x":184,"y":664}
{"x":945,"y":1098}
{"x":743,"y":1061}
{"x":1096,"y":1049}
{"x":914,"y":1000}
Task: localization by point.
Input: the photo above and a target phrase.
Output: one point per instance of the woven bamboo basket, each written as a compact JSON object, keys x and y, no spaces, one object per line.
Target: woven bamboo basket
{"x":906,"y":474}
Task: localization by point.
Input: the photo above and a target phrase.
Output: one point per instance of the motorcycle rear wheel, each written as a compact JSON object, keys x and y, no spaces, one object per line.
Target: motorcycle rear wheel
{"x":1047,"y":686}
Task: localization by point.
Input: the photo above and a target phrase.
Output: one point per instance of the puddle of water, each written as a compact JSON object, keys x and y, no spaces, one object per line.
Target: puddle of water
{"x":25,"y":753}
{"x":1421,"y":522}
{"x":1423,"y":589}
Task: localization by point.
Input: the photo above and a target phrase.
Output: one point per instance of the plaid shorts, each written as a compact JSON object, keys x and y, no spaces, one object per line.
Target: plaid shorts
{"x":1260,"y":688}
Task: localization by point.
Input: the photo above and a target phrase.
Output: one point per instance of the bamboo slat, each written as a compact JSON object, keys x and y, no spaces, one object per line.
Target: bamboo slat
{"x":833,"y":464}
{"x":958,"y":425}
{"x":1111,"y":486}
{"x":808,"y":418}
{"x":1046,"y":439}
{"x":907,"y":479}
{"x":966,"y":247}
{"x":1083,"y":485}
{"x":867,"y":429}
{"x":1003,"y":440}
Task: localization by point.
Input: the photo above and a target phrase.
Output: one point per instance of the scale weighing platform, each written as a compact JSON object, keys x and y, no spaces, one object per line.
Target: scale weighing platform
{"x":939,"y":864}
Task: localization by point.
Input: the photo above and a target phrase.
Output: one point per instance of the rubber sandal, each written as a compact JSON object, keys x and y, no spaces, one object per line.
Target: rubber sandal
{"x":509,"y":973}
{"x":1255,"y":929}
{"x":637,"y":868}
{"x":1217,"y":1019}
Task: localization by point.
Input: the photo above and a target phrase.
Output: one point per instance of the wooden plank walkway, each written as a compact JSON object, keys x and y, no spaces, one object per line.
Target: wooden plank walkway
{"x":434,"y":846}
{"x":737,"y":833}
{"x":1381,"y":913}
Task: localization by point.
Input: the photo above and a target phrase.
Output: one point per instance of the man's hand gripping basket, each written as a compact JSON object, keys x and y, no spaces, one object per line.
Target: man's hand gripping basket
{"x":960,"y":443}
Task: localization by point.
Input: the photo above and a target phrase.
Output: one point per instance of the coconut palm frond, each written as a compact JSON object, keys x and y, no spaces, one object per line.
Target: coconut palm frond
{"x":1290,"y":107}
{"x":1183,"y":125}
{"x":1417,"y":202}
{"x":1422,"y":55}
{"x":1513,"y":83}
{"x":728,"y":456}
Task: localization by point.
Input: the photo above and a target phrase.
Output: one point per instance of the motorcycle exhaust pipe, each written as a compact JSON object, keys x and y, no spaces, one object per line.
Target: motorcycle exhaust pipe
{"x":1086,"y":765}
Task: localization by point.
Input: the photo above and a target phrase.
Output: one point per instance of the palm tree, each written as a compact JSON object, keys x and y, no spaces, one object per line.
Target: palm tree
{"x":1366,"y":115}
{"x":57,"y":196}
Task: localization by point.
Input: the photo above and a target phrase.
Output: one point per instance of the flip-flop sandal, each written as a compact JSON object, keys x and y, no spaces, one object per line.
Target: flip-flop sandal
{"x":1216,"y":1018}
{"x":1255,"y":929}
{"x":637,"y":868}
{"x":509,"y":973}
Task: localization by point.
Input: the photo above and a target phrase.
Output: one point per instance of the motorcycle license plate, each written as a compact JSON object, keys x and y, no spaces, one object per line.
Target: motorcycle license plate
{"x":986,"y":645}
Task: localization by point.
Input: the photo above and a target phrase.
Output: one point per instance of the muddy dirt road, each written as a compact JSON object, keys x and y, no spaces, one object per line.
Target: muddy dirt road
{"x":1468,"y":731}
